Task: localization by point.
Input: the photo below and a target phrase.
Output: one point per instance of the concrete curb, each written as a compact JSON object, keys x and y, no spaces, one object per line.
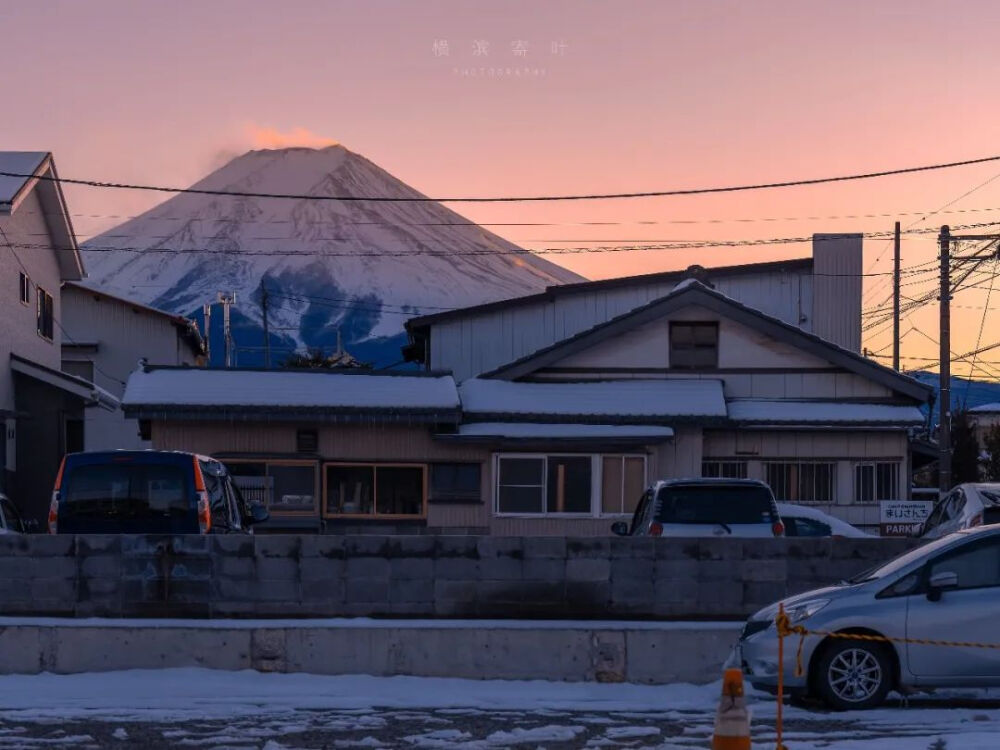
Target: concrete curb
{"x":640,"y":652}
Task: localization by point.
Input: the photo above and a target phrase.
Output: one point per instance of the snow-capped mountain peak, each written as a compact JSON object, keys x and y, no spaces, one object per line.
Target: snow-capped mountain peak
{"x":363,"y":267}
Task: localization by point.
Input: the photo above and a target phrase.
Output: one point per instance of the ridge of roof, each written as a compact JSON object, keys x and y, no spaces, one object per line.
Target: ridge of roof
{"x":430,"y":374}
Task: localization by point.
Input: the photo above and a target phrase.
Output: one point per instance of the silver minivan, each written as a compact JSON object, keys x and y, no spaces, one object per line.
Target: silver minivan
{"x":948,"y":589}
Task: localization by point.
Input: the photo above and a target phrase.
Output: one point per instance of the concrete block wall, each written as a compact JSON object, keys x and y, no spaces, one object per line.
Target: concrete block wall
{"x":293,"y":576}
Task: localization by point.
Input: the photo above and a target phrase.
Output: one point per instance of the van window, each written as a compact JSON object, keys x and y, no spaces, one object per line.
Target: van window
{"x":126,"y":491}
{"x":714,"y":503}
{"x":797,"y":526}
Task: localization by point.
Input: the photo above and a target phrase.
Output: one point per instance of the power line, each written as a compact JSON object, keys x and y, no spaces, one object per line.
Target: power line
{"x":469,"y":223}
{"x":979,"y":338}
{"x":508,"y":199}
{"x":494,"y":252}
{"x":55,"y":319}
{"x":923,"y":218}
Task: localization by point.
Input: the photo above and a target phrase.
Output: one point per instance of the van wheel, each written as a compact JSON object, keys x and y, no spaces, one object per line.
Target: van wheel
{"x":853,"y":675}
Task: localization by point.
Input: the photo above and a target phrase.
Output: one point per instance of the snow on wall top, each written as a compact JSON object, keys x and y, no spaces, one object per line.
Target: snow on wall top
{"x":823,"y":412}
{"x":992,"y":408}
{"x":181,"y":387}
{"x":620,"y":399}
{"x":541,"y":431}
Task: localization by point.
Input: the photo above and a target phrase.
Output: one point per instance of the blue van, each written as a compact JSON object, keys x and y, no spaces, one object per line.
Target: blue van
{"x":148,"y":492}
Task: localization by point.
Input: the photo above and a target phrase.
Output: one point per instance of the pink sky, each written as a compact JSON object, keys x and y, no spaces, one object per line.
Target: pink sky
{"x":635,"y":96}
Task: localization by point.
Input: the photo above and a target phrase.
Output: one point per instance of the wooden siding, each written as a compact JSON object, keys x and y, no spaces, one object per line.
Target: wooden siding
{"x":380,"y":443}
{"x":394,"y":444}
{"x":479,"y":343}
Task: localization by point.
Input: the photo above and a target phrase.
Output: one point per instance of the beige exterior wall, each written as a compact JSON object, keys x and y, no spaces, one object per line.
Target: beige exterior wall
{"x":414,"y":444}
{"x":124,"y":334}
{"x":18,"y":322}
{"x":679,"y":458}
{"x":846,"y":448}
{"x":374,"y":443}
{"x":740,"y":348}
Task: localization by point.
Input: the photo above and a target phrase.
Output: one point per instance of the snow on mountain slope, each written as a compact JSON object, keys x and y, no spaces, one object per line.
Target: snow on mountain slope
{"x":362,"y":267}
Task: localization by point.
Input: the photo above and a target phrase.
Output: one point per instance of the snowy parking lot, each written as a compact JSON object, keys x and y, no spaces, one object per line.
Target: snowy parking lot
{"x":197,"y":708}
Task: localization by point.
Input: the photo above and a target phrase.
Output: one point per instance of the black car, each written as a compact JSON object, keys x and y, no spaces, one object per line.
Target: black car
{"x":148,"y":492}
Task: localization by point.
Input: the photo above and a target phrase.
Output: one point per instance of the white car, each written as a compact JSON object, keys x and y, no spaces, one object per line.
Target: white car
{"x":705,"y":507}
{"x":965,"y":507}
{"x":10,"y":519}
{"x":801,"y":520}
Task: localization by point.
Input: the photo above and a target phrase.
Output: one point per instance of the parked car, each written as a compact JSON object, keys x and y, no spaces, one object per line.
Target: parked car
{"x":965,"y":507}
{"x":10,"y":519}
{"x":948,"y":589}
{"x":801,"y":520}
{"x":148,"y":492}
{"x":705,"y":507}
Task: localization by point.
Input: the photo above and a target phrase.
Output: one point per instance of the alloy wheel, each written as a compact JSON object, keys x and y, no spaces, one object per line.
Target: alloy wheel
{"x":855,"y":675}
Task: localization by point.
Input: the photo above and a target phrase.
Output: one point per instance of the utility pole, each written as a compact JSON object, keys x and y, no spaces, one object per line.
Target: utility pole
{"x":895,"y":300}
{"x":227,"y":300}
{"x":944,"y":369}
{"x":267,"y":335}
{"x":207,"y":309}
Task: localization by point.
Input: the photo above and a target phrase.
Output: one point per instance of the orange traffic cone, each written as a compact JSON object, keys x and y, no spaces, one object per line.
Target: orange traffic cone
{"x":732,"y":721}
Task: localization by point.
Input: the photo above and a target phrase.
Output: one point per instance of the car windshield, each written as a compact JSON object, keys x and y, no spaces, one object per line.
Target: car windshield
{"x":714,"y":503}
{"x":133,"y":491}
{"x":897,"y":564}
{"x":991,"y":497}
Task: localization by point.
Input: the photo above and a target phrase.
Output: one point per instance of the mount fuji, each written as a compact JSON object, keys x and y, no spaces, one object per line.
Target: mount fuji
{"x":353,"y":270}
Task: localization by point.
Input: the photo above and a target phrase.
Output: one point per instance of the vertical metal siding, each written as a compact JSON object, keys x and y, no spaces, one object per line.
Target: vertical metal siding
{"x":470,"y":346}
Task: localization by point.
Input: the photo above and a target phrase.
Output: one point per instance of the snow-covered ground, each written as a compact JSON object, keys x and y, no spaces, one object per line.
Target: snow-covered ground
{"x":213,"y":709}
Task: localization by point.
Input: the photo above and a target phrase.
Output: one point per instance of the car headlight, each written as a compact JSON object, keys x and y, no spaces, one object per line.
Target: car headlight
{"x":804,"y":610}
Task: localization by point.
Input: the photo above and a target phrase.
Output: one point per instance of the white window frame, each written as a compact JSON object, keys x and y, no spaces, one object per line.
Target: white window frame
{"x":804,"y":462}
{"x":874,"y":464}
{"x":596,"y":482}
{"x":720,"y":461}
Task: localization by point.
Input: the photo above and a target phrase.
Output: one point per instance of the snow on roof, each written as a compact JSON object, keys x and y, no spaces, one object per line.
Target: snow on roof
{"x":621,"y":399}
{"x":689,"y":282}
{"x":287,"y":389}
{"x":991,"y":408}
{"x":517,"y":430}
{"x":21,"y":162}
{"x":822,"y":412}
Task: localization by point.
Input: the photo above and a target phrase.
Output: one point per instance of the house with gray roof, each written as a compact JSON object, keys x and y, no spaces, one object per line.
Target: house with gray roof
{"x":41,"y":407}
{"x":550,"y":414}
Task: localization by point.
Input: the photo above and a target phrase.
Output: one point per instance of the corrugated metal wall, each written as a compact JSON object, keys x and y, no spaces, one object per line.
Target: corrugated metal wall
{"x":838,"y":265}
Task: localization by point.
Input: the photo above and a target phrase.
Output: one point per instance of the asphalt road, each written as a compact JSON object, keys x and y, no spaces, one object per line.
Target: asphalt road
{"x":948,"y":727}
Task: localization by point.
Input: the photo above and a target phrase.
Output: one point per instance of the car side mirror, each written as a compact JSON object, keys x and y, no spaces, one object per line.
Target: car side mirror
{"x":619,"y":528}
{"x":941,"y":582}
{"x":258,"y":513}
